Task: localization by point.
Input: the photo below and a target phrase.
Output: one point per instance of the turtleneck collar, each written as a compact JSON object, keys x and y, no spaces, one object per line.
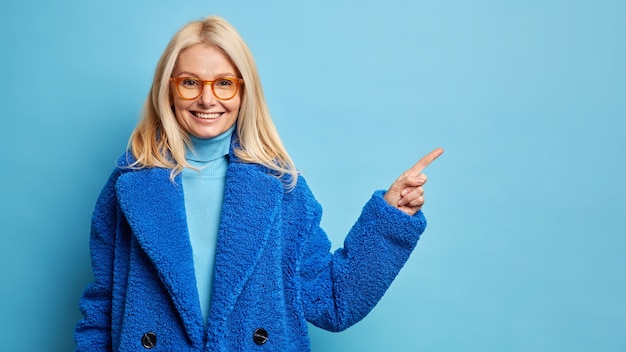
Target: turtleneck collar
{"x":207,"y":150}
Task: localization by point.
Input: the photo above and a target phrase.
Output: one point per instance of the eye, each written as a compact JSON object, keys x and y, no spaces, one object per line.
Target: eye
{"x":190,"y":83}
{"x":223,"y":82}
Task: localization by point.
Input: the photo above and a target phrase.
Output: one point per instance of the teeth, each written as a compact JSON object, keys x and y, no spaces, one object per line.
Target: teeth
{"x":211,"y":115}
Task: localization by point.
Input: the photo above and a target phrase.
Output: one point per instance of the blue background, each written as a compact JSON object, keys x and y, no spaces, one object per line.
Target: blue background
{"x":525,"y":245}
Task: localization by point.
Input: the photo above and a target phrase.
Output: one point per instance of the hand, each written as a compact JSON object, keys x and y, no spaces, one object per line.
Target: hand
{"x":407,"y":193}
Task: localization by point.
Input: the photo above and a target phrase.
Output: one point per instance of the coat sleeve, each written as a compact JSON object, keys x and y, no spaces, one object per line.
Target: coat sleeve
{"x":341,"y":288}
{"x":93,"y":332}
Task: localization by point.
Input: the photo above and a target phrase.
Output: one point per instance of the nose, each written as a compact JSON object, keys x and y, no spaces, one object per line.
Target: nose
{"x":207,"y":98}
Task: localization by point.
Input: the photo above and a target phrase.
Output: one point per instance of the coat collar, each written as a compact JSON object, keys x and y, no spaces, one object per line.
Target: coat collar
{"x":154,"y":208}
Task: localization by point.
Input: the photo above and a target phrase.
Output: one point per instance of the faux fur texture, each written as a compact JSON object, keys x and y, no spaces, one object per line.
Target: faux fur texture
{"x":274,"y":269}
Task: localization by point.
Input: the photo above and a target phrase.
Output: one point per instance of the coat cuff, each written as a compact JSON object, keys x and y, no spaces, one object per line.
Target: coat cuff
{"x":394,"y":223}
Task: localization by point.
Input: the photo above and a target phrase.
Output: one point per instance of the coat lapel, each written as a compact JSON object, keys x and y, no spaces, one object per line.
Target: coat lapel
{"x":250,"y":211}
{"x":154,"y":208}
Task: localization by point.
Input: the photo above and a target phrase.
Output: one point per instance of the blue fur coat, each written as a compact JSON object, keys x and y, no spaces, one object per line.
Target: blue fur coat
{"x":274,"y":270}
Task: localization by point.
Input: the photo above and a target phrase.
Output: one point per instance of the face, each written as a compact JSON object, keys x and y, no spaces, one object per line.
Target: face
{"x":206,"y":116}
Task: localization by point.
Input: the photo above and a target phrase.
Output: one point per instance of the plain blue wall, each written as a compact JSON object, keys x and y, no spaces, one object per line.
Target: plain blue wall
{"x":526,"y":240}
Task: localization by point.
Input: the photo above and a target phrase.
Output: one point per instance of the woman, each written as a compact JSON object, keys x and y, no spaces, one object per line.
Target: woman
{"x":205,"y":238}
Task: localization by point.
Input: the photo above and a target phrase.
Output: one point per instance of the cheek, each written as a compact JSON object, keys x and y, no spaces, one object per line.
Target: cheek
{"x":234,"y":104}
{"x":179,"y":108}
{"x":179,"y":105}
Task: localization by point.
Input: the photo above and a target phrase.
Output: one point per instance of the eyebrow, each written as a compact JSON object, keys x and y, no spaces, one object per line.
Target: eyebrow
{"x":183,"y":73}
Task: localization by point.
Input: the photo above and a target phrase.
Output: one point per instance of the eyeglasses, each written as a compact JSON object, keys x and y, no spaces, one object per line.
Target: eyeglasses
{"x":223,"y":88}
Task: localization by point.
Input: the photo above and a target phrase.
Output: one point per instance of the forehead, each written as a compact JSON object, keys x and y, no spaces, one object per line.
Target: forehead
{"x":204,"y":60}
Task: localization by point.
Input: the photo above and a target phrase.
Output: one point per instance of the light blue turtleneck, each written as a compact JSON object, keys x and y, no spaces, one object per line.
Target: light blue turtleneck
{"x":204,"y":196}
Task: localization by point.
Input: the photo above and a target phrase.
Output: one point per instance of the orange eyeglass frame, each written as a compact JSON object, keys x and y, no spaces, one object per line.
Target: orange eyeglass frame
{"x":177,"y":80}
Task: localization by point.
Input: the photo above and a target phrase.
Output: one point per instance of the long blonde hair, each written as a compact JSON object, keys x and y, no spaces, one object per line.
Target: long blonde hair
{"x":159,"y":141}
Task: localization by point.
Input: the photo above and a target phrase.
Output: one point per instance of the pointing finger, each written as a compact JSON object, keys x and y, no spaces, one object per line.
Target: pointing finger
{"x":425,"y":161}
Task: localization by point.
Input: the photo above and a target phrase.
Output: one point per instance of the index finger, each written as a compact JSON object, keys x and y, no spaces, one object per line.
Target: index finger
{"x":425,"y":161}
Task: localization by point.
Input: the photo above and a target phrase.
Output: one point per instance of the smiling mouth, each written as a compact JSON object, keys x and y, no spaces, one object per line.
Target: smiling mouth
{"x":207,"y":116}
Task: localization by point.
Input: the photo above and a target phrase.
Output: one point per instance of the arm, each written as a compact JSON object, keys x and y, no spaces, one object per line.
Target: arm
{"x":341,"y":288}
{"x":93,"y":332}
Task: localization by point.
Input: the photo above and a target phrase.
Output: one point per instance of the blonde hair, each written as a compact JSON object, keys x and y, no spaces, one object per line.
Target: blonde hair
{"x":159,"y":140}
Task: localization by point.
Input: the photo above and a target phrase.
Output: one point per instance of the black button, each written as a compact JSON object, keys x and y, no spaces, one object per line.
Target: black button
{"x":260,"y":336}
{"x":148,"y":340}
